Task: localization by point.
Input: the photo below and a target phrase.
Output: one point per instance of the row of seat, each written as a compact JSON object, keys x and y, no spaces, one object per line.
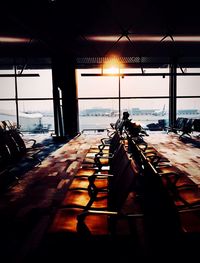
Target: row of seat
{"x":124,"y":188}
{"x":105,"y":173}
{"x":14,"y":150}
{"x":183,"y":192}
{"x":95,"y":205}
{"x":185,"y":126}
{"x":172,"y":206}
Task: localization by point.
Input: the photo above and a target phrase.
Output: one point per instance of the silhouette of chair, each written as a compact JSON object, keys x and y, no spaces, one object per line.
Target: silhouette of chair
{"x":197,"y":126}
{"x":92,"y":214}
{"x":178,"y":126}
{"x":117,"y":196}
{"x":106,"y":143}
{"x":17,"y":135}
{"x":181,"y":198}
{"x":83,"y":187}
{"x":14,"y":156}
{"x":14,"y":135}
{"x":150,"y":153}
{"x":187,"y":128}
{"x":101,"y":157}
{"x":162,"y":221}
{"x":171,"y":175}
{"x":106,"y":226}
{"x":116,"y":166}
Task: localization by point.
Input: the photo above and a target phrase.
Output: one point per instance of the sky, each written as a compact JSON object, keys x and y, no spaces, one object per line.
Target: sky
{"x":89,"y":87}
{"x":132,"y":86}
{"x":28,"y":87}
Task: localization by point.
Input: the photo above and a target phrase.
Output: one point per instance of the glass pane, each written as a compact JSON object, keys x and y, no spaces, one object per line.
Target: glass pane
{"x":7,"y":85}
{"x":8,"y":111}
{"x":89,"y":87}
{"x":36,"y":116}
{"x":97,"y":114}
{"x":35,"y":87}
{"x":188,"y":107}
{"x":146,"y":70}
{"x":189,"y":85}
{"x":141,"y":86}
{"x":146,"y":111}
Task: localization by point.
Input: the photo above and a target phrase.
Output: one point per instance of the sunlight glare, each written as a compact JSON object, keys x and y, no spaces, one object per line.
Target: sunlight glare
{"x":112,"y":70}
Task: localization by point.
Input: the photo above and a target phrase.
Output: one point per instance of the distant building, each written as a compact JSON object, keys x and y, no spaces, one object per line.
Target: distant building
{"x":187,"y":112}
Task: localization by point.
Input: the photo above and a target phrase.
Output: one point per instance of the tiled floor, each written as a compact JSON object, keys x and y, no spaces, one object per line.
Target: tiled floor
{"x":184,"y":152}
{"x":28,"y":207}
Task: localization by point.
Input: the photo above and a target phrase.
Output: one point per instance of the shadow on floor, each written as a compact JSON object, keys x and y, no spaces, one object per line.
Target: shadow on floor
{"x":45,"y":145}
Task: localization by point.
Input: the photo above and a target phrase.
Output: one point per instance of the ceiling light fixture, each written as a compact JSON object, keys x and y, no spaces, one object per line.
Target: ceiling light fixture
{"x":4,"y":39}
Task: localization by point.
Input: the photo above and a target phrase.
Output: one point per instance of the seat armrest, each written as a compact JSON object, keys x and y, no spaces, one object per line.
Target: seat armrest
{"x":81,"y":217}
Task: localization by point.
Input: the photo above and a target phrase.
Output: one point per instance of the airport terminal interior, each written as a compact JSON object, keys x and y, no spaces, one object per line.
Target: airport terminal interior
{"x":99,"y":131}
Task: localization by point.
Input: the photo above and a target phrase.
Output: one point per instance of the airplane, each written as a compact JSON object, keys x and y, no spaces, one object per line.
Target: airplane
{"x":160,"y":112}
{"x":28,"y":121}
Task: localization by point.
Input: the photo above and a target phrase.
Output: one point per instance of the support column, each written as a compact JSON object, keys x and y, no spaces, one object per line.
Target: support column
{"x":64,"y":86}
{"x":172,"y":94}
{"x":70,"y":102}
{"x":58,"y":120}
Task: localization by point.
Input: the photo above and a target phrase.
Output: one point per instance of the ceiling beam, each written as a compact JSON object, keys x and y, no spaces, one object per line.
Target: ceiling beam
{"x":19,"y":75}
{"x":138,"y":74}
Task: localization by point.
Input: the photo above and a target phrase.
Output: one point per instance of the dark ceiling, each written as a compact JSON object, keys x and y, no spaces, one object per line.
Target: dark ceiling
{"x":136,"y":30}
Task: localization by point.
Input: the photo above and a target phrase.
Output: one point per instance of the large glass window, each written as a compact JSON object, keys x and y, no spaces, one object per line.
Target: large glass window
{"x":189,"y":85}
{"x":8,"y":110}
{"x":35,"y":87}
{"x":188,"y":94}
{"x":7,"y":87}
{"x":96,"y":114}
{"x":146,"y":111}
{"x":91,"y":87}
{"x":140,"y":86}
{"x":36,"y":115}
{"x":33,"y":99}
{"x":102,"y":99}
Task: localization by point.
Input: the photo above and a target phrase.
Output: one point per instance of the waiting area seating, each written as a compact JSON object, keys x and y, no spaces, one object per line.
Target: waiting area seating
{"x":173,"y":204}
{"x":96,"y":207}
{"x":185,"y":126}
{"x":126,"y":199}
{"x":14,"y":151}
{"x":90,"y":209}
